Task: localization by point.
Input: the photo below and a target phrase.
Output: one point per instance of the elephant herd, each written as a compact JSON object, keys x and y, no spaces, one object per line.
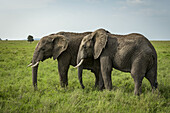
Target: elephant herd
{"x":98,"y":51}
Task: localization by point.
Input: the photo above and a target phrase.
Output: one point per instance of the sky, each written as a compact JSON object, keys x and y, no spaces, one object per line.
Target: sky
{"x":20,"y":18}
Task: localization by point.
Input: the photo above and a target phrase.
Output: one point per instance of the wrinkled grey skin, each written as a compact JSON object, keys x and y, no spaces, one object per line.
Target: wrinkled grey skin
{"x":62,"y":46}
{"x":128,"y":53}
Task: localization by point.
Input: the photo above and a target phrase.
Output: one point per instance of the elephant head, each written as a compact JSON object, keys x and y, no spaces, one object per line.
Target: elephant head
{"x":49,"y":46}
{"x":92,"y":45}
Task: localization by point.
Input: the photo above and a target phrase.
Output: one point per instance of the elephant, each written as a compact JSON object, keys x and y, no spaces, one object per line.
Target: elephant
{"x":131,"y":53}
{"x":62,"y":46}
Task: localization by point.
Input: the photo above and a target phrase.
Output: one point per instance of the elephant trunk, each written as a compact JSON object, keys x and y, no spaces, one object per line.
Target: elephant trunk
{"x":79,"y":60}
{"x":80,"y":70}
{"x":34,"y":66}
{"x":34,"y":76}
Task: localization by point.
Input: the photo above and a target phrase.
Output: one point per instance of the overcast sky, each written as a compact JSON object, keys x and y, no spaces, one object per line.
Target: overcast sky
{"x":20,"y":18}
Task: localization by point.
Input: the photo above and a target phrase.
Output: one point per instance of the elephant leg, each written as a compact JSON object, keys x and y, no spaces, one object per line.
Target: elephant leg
{"x":106,"y":69}
{"x":151,"y":75}
{"x":97,"y":79}
{"x":80,"y":70}
{"x":138,"y":71}
{"x":138,"y":83}
{"x":101,"y":82}
{"x":63,"y":72}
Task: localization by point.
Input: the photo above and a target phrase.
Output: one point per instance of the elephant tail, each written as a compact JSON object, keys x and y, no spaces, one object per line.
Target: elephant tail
{"x":151,"y":73}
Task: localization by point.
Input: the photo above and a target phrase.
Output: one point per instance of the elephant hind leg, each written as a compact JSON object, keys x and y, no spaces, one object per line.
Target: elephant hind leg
{"x":138,"y":77}
{"x":138,"y":71}
{"x":151,"y":75}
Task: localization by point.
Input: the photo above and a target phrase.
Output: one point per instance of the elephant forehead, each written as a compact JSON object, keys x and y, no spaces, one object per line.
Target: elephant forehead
{"x":101,"y":30}
{"x":87,"y":38}
{"x":46,"y":39}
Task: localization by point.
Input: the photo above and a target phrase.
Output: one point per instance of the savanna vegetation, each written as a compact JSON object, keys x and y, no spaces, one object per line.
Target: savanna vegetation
{"x":17,"y":93}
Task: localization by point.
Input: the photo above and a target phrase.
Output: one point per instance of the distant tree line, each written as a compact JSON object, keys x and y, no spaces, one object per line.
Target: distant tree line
{"x":5,"y":39}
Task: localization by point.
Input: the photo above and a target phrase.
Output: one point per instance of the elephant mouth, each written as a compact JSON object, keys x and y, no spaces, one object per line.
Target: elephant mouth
{"x":79,"y":64}
{"x":36,"y":63}
{"x":33,"y":65}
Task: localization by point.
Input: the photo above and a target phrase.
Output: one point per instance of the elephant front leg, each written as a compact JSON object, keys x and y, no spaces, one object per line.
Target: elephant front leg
{"x":106,"y":69}
{"x":63,"y":73}
{"x":101,"y":82}
{"x":97,"y":79}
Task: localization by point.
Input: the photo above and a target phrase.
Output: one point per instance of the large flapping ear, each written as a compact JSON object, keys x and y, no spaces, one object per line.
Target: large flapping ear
{"x":60,"y":44}
{"x":100,"y":37}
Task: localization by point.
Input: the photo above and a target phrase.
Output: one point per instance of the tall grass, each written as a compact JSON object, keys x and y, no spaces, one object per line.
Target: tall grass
{"x":17,"y":94}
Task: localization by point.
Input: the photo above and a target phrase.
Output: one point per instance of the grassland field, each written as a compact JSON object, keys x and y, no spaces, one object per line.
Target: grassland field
{"x":17,"y":94}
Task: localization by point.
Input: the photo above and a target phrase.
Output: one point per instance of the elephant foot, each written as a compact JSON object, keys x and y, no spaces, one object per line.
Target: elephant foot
{"x":35,"y":88}
{"x":138,"y":91}
{"x":155,"y":91}
{"x":96,"y":85}
{"x":63,"y":85}
{"x":82,"y":86}
{"x":100,"y":87}
{"x":108,"y":86}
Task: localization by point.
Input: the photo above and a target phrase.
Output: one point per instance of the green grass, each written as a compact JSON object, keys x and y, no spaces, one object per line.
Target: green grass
{"x":17,"y":94}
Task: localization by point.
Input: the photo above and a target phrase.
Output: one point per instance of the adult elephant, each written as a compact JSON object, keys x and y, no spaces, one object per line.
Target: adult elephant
{"x":62,"y":46}
{"x":128,"y":53}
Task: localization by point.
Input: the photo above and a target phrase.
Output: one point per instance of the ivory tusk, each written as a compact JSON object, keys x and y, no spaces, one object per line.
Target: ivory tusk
{"x":79,"y":63}
{"x":35,"y":64}
{"x":29,"y":65}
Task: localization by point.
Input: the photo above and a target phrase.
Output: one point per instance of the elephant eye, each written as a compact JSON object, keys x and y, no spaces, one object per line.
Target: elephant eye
{"x":84,"y":46}
{"x":43,"y":48}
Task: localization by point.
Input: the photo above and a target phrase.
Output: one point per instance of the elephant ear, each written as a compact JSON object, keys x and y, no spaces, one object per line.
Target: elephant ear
{"x":60,"y":45}
{"x":100,"y":38}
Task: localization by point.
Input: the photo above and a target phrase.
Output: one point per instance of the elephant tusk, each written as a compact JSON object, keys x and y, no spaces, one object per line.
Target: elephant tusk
{"x":29,"y":65}
{"x":79,"y":63}
{"x":35,"y":64}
